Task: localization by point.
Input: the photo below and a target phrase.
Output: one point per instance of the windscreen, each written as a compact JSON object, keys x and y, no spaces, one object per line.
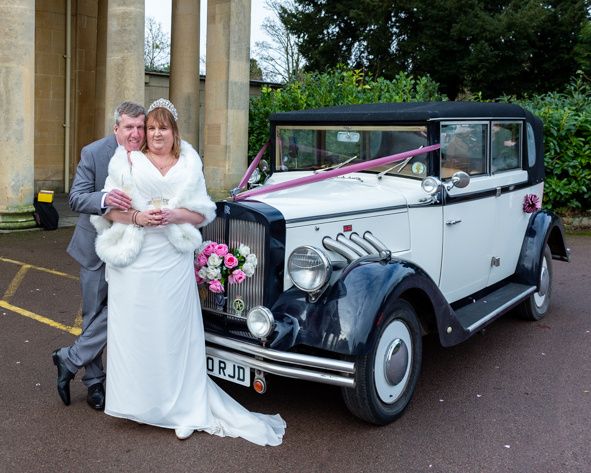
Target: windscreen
{"x":306,"y":148}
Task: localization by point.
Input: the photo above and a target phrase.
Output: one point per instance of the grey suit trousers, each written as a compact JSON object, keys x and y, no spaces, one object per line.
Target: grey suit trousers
{"x":88,"y":348}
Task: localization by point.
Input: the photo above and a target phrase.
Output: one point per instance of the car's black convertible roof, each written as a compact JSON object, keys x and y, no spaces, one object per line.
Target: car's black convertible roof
{"x":402,"y":112}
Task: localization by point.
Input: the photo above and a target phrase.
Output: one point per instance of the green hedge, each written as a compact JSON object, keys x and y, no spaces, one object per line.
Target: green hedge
{"x":340,"y":87}
{"x":566,"y":116}
{"x":567,"y":146}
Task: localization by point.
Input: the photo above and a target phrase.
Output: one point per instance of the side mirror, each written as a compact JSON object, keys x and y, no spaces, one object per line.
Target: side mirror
{"x":259,"y":175}
{"x":431,"y":185}
{"x":459,"y":179}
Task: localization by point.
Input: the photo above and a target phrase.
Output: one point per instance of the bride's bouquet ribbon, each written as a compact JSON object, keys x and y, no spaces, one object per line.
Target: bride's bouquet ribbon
{"x":335,"y":172}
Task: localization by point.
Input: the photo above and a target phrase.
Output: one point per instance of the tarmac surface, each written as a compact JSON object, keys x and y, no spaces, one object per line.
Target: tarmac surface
{"x":515,"y":398}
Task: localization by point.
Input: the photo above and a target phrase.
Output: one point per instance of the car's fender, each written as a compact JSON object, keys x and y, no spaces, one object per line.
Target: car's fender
{"x":349,"y":312}
{"x":544,"y":227}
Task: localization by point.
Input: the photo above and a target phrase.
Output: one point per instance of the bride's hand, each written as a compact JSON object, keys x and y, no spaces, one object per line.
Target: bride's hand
{"x":170,"y":216}
{"x":149,"y":218}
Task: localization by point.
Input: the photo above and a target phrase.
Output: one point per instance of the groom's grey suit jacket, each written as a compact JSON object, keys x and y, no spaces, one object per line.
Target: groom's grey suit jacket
{"x":85,"y":197}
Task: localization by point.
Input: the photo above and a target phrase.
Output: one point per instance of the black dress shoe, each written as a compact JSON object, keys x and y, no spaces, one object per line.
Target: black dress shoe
{"x":64,"y":376}
{"x":96,"y":396}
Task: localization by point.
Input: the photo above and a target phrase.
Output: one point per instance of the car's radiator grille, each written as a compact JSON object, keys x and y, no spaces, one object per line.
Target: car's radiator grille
{"x":233,"y":232}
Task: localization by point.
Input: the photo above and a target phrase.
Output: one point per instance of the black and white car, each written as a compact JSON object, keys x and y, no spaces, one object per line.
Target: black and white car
{"x":376,"y":225}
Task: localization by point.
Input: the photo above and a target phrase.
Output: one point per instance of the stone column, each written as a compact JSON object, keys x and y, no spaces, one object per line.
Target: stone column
{"x":184,"y":67}
{"x":17,"y":109}
{"x":125,"y":56}
{"x":226,"y":94}
{"x":101,"y":69}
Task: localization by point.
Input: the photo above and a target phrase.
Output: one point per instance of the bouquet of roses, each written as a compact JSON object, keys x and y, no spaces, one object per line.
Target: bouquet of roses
{"x":216,"y":265}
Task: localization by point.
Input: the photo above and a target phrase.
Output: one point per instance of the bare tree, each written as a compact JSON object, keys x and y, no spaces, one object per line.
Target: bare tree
{"x":156,"y":46}
{"x":279,"y":58}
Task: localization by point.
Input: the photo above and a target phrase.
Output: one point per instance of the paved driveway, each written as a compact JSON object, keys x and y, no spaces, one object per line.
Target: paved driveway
{"x":515,"y":398}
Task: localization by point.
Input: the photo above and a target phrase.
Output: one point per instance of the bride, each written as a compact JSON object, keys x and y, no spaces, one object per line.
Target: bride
{"x":156,"y":367}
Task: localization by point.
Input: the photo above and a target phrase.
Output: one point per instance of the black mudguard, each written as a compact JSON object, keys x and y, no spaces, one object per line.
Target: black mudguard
{"x":545,"y":227}
{"x":344,"y":319}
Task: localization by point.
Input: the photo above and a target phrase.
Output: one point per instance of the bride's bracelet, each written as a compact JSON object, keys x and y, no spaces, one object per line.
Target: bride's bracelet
{"x":134,"y":218}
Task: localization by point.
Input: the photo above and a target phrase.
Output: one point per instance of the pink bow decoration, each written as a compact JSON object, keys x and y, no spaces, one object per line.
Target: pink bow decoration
{"x":531,"y":203}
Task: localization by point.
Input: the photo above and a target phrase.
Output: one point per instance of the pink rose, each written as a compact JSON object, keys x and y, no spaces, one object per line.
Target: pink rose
{"x":199,"y":279}
{"x":209,"y":249}
{"x":202,"y":259}
{"x":221,"y":250}
{"x":216,"y":286}
{"x":230,"y":261}
{"x":237,"y":276}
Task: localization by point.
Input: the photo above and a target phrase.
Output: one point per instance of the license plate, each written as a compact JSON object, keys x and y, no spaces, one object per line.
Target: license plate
{"x":228,"y":370}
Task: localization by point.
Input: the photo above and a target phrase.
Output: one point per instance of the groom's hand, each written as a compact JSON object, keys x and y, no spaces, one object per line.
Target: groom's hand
{"x":118,"y":200}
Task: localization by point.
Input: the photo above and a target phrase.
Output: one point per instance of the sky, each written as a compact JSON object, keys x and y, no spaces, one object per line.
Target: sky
{"x":161,"y":11}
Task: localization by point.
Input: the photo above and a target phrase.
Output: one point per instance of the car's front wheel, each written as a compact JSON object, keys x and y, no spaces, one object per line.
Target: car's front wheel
{"x":387,"y":374}
{"x":537,"y":305}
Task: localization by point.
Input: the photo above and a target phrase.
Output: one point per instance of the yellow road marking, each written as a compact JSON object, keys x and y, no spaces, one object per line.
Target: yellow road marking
{"x":39,"y":318}
{"x":16,"y":282}
{"x":76,"y":329}
{"x":39,"y":268}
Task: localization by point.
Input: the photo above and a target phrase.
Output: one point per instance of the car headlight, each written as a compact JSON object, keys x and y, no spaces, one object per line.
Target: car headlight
{"x":309,"y":268}
{"x":260,"y":321}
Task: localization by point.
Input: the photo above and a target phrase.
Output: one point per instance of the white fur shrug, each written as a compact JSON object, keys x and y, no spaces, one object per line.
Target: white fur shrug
{"x":119,"y":244}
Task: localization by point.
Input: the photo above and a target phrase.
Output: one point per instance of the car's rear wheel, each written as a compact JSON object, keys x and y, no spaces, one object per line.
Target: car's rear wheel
{"x":387,"y":374}
{"x":537,"y":305}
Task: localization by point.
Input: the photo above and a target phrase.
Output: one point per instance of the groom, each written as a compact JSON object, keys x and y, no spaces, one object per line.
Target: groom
{"x":87,"y":198}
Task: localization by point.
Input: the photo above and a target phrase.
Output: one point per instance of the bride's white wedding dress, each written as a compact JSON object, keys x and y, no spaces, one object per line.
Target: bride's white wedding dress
{"x":156,"y":366}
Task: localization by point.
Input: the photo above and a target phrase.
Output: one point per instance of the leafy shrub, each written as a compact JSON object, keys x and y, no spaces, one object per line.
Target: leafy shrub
{"x":567,"y":145}
{"x":340,"y":87}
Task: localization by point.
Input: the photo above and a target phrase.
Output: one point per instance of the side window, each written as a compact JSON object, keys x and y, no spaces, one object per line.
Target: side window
{"x":531,"y":146}
{"x":463,"y":148}
{"x":506,"y":146}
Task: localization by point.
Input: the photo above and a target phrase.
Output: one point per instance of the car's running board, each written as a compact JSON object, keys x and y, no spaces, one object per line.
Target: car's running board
{"x":482,"y":311}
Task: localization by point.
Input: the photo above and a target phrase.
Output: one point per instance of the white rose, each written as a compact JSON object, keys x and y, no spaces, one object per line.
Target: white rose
{"x":214,"y":260}
{"x":213,"y":273}
{"x":252,"y":259}
{"x":248,"y":269}
{"x":203,"y":272}
{"x":243,"y":250}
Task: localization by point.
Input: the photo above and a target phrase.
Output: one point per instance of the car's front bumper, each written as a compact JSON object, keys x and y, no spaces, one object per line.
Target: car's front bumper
{"x":288,"y":364}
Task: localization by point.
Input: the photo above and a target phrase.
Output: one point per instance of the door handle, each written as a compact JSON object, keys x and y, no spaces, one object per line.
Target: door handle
{"x":452,"y":222}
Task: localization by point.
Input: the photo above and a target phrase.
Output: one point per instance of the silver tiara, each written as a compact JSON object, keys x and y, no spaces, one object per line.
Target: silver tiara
{"x":167,"y":104}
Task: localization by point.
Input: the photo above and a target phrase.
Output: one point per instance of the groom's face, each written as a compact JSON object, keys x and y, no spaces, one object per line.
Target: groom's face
{"x":130,"y":132}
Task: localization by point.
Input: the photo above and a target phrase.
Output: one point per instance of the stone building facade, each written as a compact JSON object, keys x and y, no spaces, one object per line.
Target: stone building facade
{"x":66,"y":64}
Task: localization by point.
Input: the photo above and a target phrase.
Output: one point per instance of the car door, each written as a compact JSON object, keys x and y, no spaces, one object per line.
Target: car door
{"x":469,"y":213}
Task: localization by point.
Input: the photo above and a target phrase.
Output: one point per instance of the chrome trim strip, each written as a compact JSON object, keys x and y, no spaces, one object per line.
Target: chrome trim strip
{"x":281,"y":370}
{"x":356,"y":238}
{"x":352,"y":245}
{"x":375,"y":242}
{"x":344,"y":214}
{"x":285,"y":357}
{"x":462,"y":119}
{"x":333,"y":245}
{"x":501,"y":309}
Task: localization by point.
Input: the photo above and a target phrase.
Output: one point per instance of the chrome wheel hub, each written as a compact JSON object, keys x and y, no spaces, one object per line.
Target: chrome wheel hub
{"x":393,"y":361}
{"x":544,"y":284}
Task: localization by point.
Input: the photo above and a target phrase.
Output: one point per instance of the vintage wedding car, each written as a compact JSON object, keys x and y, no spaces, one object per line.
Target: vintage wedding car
{"x":376,"y":225}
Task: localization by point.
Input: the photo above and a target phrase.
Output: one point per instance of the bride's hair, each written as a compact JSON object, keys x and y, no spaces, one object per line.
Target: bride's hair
{"x":163,"y":117}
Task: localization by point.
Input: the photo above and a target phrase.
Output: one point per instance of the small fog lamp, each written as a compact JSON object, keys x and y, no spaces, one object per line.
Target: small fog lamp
{"x":260,"y":321}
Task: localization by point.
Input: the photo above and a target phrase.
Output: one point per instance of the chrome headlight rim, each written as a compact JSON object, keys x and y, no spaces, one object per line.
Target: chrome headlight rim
{"x":326,"y":265}
{"x":260,"y":321}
